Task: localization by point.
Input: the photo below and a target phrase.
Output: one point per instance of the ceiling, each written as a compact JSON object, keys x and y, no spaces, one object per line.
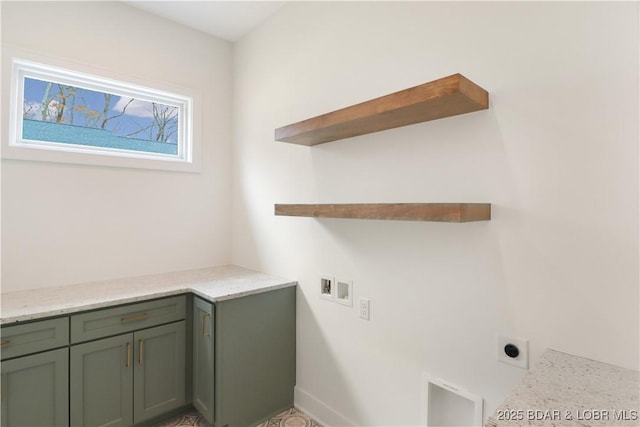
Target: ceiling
{"x":228,"y":20}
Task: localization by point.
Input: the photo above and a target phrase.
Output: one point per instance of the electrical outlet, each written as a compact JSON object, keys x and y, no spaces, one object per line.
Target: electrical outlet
{"x":513,"y":351}
{"x":363,"y":308}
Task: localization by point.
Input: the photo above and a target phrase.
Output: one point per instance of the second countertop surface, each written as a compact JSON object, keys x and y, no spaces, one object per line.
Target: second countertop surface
{"x":567,"y":390}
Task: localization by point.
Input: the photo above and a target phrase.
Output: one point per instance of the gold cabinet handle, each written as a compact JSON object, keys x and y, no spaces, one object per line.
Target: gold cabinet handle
{"x":5,"y":343}
{"x":128,"y":354}
{"x":134,"y":317}
{"x":204,"y":325}
{"x":140,"y":351}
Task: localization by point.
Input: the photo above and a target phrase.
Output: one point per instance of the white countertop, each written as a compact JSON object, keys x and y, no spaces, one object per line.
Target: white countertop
{"x":213,"y":284}
{"x":567,"y":390}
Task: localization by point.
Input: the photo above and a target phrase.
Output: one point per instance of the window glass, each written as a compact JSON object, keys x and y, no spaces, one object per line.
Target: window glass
{"x":56,"y":112}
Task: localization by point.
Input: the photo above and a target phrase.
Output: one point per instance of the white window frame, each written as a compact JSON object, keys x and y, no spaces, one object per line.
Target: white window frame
{"x":16,"y":147}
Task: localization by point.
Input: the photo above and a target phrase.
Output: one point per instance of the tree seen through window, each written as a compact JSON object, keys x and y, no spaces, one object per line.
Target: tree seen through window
{"x":122,"y":116}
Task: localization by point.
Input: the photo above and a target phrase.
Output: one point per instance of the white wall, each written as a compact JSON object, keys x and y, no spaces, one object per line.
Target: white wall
{"x":64,"y":224}
{"x":556,"y":154}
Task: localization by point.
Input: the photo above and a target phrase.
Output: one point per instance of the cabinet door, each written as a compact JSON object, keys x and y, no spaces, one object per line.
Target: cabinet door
{"x":159,"y":375}
{"x":203,"y":384}
{"x":35,"y":390}
{"x":102,"y":382}
{"x":255,"y":357}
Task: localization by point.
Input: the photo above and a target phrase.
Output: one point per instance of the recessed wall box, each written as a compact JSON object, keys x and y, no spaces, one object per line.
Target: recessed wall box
{"x":446,"y":404}
{"x":327,"y":288}
{"x":344,"y":292}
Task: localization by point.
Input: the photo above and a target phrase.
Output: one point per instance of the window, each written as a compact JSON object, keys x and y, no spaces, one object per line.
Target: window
{"x":68,"y":116}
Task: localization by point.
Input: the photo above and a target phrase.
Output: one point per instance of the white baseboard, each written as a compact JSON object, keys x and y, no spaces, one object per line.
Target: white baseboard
{"x":318,"y":410}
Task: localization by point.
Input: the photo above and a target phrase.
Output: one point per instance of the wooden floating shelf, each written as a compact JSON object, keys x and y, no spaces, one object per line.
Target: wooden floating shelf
{"x":441,"y":212}
{"x":445,"y":97}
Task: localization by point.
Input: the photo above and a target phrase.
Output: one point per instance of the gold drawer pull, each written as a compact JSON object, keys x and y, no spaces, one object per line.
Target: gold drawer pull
{"x":134,"y":318}
{"x":204,"y":325}
{"x":5,"y":343}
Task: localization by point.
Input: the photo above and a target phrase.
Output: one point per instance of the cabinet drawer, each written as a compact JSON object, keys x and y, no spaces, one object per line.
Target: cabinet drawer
{"x":34,"y":337}
{"x":113,"y":321}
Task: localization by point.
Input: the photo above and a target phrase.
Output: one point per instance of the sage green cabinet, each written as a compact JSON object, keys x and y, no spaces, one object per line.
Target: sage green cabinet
{"x":130,"y":378}
{"x":35,"y":374}
{"x":34,"y":337}
{"x":159,"y":374}
{"x":255,"y":357}
{"x":35,"y":390}
{"x":126,"y":318}
{"x":127,"y":364}
{"x":102,"y":382}
{"x":203,"y":358}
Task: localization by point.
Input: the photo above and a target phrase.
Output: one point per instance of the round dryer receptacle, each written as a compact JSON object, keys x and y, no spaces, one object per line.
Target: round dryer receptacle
{"x":511,"y":351}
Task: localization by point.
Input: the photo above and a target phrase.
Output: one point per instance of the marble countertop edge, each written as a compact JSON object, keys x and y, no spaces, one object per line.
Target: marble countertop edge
{"x":213,"y":284}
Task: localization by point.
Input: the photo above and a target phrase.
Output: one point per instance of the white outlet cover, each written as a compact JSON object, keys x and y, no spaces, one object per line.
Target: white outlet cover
{"x":522,"y":361}
{"x":364,"y":307}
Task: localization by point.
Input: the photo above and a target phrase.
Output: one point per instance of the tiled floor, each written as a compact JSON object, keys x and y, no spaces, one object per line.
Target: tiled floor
{"x":191,"y":418}
{"x":290,"y":418}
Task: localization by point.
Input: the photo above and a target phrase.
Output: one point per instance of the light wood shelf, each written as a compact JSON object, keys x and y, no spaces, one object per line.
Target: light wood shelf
{"x":441,"y":212}
{"x":445,"y":97}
